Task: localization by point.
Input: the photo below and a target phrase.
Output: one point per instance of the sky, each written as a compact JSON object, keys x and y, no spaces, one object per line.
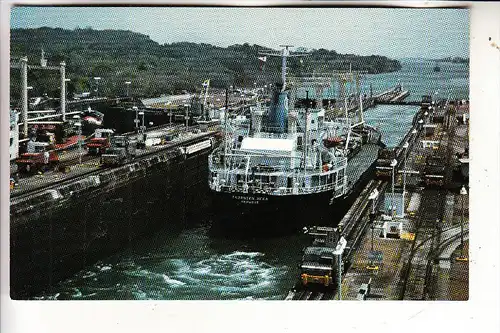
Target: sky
{"x":395,"y":33}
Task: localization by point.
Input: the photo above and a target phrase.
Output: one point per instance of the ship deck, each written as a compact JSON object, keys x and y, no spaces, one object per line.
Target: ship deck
{"x":362,"y":161}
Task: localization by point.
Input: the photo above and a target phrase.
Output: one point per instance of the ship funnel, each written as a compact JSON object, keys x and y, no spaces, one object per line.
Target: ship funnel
{"x":278,"y":112}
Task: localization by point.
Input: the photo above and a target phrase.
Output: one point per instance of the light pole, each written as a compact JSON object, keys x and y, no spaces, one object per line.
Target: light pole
{"x":66,"y":87}
{"x":426,"y":114}
{"x":420,"y":122}
{"x":405,"y":146}
{"x":373,"y":196}
{"x":463,"y":257}
{"x":393,"y":165}
{"x":186,"y":117}
{"x":142,"y":130}
{"x":136,"y":120}
{"x":128,"y":83}
{"x":78,"y":125}
{"x":97,"y":78}
{"x":28,"y":88}
{"x":141,"y":113}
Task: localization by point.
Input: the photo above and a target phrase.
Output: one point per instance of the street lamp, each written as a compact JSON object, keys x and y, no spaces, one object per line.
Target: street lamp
{"x":186,"y":117}
{"x":136,"y":120}
{"x":394,"y":162}
{"x":28,"y":88}
{"x":373,"y":196}
{"x":66,"y":89}
{"x":97,"y":78}
{"x":405,"y":146}
{"x":463,"y":257}
{"x":78,"y":125}
{"x":128,"y":83}
{"x":142,"y":115}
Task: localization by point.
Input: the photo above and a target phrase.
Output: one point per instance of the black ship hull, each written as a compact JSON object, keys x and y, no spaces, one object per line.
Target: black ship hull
{"x":259,"y":215}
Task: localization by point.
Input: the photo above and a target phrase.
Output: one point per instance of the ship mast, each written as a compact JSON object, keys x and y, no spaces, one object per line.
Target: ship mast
{"x":306,"y":129}
{"x":284,"y":54}
{"x":205,"y":85}
{"x":226,"y":111}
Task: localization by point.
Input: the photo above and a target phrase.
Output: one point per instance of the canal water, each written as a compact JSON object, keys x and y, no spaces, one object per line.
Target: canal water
{"x":191,"y":264}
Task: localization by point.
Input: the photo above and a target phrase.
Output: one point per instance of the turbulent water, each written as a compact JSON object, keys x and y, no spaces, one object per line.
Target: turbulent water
{"x":189,"y":265}
{"x":192,"y":265}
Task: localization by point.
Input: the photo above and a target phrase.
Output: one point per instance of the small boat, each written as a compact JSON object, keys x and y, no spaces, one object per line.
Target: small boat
{"x":333,"y":141}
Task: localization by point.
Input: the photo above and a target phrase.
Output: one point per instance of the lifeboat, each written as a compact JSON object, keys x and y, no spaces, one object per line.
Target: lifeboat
{"x":332,"y":141}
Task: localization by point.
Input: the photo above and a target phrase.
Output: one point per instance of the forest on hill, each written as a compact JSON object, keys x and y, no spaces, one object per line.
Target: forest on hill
{"x":118,"y":56}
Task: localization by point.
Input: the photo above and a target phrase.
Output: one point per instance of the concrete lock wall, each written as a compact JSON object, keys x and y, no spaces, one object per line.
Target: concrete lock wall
{"x":57,"y":233}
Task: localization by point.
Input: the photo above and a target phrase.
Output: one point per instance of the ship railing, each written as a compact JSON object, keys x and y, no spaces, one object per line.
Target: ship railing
{"x":268,"y":135}
{"x":280,"y":191}
{"x":274,"y":132}
{"x":217,"y":161}
{"x":224,"y":183}
{"x":239,"y":166}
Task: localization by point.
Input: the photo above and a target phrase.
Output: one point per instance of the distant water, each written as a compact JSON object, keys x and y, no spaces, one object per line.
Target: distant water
{"x":419,"y":78}
{"x":192,"y":265}
{"x":392,"y":120}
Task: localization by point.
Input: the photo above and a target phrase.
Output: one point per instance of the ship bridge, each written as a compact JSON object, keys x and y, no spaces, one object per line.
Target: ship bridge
{"x":262,"y":145}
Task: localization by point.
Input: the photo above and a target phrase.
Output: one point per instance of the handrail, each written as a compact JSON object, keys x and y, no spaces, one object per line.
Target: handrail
{"x":281,"y":190}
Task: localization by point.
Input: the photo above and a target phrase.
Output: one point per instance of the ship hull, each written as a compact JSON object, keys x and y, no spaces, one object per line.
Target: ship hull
{"x":259,"y":214}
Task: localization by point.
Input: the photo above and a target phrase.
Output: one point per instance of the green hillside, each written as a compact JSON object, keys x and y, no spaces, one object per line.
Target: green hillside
{"x":118,"y":56}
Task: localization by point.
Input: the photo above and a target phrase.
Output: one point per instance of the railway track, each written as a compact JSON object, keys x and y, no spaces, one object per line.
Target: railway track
{"x":356,"y":230}
{"x":307,"y":295}
{"x":427,"y":237}
{"x":21,"y":195}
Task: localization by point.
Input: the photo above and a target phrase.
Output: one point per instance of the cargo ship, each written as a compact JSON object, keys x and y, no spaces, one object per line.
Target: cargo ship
{"x":289,"y":165}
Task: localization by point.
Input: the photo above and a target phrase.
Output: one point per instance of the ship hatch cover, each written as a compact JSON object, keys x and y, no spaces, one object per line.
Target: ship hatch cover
{"x":267,"y":144}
